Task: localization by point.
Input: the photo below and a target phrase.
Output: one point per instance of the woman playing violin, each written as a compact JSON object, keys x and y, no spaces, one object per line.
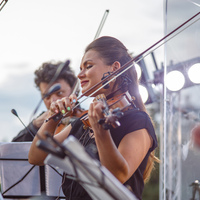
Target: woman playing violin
{"x":127,"y":151}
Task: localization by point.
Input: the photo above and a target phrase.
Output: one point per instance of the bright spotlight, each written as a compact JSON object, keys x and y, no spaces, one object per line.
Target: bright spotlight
{"x":194,"y":72}
{"x":144,"y":93}
{"x":138,"y":70}
{"x":175,"y":80}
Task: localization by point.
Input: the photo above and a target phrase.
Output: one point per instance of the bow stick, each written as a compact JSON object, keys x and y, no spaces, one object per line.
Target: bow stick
{"x":2,"y":4}
{"x":127,"y":65}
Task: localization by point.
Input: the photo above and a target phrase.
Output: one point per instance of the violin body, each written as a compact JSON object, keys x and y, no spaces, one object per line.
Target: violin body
{"x":114,"y":109}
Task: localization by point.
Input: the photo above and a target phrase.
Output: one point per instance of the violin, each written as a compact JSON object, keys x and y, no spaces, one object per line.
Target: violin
{"x":114,"y":109}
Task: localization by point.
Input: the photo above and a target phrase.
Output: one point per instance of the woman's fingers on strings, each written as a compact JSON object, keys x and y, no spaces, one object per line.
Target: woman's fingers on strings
{"x":99,"y":107}
{"x":90,"y":111}
{"x":96,"y":109}
{"x":73,"y":98}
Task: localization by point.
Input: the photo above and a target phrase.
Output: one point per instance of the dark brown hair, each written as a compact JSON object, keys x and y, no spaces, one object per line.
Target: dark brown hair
{"x":47,"y":71}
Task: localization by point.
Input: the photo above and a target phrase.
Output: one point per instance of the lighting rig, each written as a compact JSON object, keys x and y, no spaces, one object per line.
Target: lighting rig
{"x":179,"y":76}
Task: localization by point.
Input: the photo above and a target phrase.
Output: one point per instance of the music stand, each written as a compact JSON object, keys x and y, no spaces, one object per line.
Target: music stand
{"x":1,"y":198}
{"x":20,"y":180}
{"x":94,"y":178}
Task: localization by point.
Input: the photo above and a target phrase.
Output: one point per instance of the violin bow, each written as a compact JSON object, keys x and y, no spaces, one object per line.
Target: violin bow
{"x":139,"y":57}
{"x":136,"y":59}
{"x":2,"y":4}
{"x":101,"y":24}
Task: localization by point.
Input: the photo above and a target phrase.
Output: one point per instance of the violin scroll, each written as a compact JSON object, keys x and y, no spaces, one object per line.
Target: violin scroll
{"x":113,"y":111}
{"x":111,"y":119}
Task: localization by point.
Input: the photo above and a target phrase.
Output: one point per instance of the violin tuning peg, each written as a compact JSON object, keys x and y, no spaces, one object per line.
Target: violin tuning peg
{"x":102,"y":121}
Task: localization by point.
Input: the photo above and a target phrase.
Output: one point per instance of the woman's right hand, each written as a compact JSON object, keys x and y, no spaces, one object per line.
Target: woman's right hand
{"x":36,"y":155}
{"x":40,"y":120}
{"x":63,"y":105}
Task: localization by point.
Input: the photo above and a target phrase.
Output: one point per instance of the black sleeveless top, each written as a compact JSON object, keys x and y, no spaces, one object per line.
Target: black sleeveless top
{"x":133,"y":120}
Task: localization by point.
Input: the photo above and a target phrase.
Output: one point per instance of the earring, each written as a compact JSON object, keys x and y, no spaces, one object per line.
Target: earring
{"x":104,"y":76}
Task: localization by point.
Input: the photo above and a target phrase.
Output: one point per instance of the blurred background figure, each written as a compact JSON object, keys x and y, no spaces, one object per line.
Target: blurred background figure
{"x":43,"y":76}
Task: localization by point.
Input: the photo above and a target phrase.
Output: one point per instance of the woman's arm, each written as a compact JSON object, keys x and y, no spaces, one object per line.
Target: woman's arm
{"x":37,"y":156}
{"x":123,"y":161}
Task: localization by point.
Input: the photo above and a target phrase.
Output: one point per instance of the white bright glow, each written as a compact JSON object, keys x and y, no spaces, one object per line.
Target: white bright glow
{"x":194,"y":73}
{"x":174,"y":80}
{"x":138,"y":70}
{"x":144,"y":93}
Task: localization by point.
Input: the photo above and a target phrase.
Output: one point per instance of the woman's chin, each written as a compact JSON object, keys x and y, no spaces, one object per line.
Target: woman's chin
{"x":84,"y":90}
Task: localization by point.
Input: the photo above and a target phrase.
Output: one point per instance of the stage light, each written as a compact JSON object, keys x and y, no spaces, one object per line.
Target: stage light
{"x":144,"y":93}
{"x":175,"y":80}
{"x":194,"y":72}
{"x":138,"y":70}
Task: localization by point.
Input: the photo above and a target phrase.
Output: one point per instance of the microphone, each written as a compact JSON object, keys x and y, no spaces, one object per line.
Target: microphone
{"x":54,"y":87}
{"x":51,"y":90}
{"x":14,"y":112}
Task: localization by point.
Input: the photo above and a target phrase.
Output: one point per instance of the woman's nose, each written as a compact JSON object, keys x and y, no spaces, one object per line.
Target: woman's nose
{"x":81,"y":74}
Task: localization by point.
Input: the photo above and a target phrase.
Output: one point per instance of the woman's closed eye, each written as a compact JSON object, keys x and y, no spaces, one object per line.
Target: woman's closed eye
{"x":89,"y":66}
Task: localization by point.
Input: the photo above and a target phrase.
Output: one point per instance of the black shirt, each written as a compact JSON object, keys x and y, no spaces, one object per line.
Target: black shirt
{"x":132,"y":120}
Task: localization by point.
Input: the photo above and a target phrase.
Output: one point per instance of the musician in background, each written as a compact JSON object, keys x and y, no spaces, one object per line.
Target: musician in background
{"x":127,"y":151}
{"x":43,"y":75}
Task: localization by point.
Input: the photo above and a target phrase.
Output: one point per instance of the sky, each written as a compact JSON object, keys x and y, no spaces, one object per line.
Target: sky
{"x":33,"y":32}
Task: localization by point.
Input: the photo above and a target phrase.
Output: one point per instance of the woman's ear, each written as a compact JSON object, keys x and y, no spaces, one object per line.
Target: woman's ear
{"x":115,"y":66}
